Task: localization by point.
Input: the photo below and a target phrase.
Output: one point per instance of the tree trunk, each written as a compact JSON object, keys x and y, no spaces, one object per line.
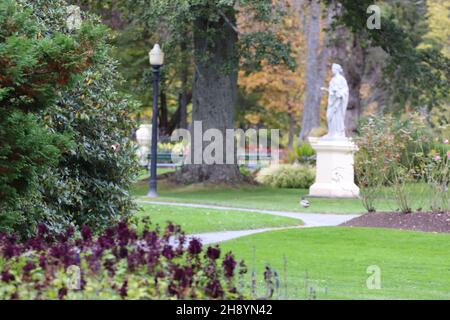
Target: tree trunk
{"x":311,"y":112}
{"x":176,"y":121}
{"x":214,"y":94}
{"x":184,"y":98}
{"x":163,"y":114}
{"x":316,"y":68}
{"x":355,"y":71}
{"x":292,"y":123}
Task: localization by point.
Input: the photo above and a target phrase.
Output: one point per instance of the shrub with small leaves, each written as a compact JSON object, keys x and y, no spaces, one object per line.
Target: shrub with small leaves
{"x":287,"y":176}
{"x":302,"y":154}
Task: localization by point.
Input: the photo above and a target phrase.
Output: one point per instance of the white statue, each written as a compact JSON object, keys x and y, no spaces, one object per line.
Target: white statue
{"x":335,"y":174}
{"x":337,"y":104}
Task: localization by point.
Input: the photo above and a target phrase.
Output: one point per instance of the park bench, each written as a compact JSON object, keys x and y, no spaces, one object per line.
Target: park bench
{"x":164,"y":160}
{"x":251,"y":160}
{"x":255,"y":160}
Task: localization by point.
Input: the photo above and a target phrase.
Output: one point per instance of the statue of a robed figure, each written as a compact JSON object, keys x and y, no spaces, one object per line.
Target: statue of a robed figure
{"x":337,"y":104}
{"x":335,"y":152}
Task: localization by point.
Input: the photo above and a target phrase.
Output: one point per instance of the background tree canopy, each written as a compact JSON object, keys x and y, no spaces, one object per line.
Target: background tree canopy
{"x":403,"y":63}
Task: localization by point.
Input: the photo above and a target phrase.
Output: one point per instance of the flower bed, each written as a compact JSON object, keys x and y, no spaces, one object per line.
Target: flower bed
{"x":119,"y":264}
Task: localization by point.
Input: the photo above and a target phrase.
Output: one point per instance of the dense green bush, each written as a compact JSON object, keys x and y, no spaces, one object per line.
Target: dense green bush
{"x":302,"y":154}
{"x":26,"y":151}
{"x":66,"y":157}
{"x":35,"y":65}
{"x":91,"y":183}
{"x":287,"y":176}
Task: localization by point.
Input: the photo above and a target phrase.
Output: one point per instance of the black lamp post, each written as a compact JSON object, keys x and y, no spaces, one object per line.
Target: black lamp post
{"x":156,"y":61}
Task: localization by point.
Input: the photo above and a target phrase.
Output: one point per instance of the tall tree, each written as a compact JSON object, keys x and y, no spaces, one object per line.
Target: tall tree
{"x":207,"y":22}
{"x":316,"y":65}
{"x":218,"y":46}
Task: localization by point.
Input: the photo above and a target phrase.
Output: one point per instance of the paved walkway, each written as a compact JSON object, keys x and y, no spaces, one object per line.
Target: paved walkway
{"x":310,"y":220}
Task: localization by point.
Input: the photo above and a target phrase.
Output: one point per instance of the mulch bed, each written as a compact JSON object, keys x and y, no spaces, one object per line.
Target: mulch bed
{"x":420,"y":221}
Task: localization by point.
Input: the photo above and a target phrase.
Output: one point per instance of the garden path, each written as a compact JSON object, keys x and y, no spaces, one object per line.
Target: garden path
{"x":311,"y":220}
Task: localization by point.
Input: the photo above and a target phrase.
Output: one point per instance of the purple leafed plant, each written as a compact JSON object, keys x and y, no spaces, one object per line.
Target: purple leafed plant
{"x":118,"y":264}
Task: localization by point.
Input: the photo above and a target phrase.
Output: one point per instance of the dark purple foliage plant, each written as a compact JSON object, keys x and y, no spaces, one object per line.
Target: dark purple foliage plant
{"x":120,"y":263}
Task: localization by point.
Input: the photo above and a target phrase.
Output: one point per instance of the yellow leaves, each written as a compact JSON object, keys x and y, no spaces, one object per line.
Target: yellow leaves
{"x":279,"y":88}
{"x":89,"y":82}
{"x":253,"y":118}
{"x":439,"y":20}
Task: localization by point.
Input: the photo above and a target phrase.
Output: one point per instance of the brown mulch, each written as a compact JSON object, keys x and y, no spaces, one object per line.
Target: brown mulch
{"x":419,"y":221}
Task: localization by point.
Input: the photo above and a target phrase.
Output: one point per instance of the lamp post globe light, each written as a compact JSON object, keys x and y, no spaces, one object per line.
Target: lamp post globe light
{"x":156,"y":61}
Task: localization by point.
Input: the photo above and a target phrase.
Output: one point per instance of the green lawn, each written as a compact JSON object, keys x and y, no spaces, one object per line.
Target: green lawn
{"x":145,"y":174}
{"x":261,"y":197}
{"x":413,"y":265}
{"x":249,"y":198}
{"x":195,"y":220}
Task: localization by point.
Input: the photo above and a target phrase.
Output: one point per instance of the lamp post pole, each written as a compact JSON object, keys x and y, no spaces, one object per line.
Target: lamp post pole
{"x":154,"y":149}
{"x":156,"y":61}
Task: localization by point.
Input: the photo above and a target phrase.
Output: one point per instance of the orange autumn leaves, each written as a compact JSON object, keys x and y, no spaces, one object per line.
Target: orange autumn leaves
{"x":279,"y":88}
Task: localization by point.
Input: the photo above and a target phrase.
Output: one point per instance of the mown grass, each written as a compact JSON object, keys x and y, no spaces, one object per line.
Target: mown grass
{"x":334,"y":261}
{"x":194,"y":220}
{"x":262,"y":197}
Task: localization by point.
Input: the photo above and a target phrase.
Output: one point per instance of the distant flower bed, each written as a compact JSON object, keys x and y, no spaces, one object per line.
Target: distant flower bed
{"x":399,"y":152}
{"x":119,"y":264}
{"x":287,"y":176}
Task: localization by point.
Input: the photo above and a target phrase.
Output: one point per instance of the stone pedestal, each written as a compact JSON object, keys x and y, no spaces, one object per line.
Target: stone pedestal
{"x":335,"y":173}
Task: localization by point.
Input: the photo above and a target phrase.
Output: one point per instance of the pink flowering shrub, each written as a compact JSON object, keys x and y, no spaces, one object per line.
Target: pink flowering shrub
{"x":396,"y":153}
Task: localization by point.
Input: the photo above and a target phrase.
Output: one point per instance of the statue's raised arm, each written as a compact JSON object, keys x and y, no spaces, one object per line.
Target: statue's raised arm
{"x":337,"y":104}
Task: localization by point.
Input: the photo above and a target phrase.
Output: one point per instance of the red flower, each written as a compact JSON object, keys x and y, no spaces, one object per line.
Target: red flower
{"x":229,"y":264}
{"x":62,"y":293}
{"x":123,"y":291}
{"x":195,"y":247}
{"x":28,"y":268}
{"x":86,"y":233}
{"x":7,"y":277}
{"x":213,"y":253}
{"x":168,"y":252}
